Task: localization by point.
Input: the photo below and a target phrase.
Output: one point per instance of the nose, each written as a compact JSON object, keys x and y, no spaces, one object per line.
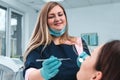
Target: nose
{"x":57,"y":18}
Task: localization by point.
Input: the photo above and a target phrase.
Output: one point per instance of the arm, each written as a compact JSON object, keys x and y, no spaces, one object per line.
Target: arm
{"x":48,"y":70}
{"x":34,"y":75}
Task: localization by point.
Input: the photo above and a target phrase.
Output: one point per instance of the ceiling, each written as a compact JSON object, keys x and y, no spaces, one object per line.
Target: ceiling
{"x":37,"y":4}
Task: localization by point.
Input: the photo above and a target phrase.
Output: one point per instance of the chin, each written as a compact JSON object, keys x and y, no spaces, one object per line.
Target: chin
{"x":77,"y":76}
{"x":80,"y":75}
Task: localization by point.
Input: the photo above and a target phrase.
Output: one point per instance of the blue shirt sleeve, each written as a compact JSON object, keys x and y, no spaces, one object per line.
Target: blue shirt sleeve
{"x":31,"y":61}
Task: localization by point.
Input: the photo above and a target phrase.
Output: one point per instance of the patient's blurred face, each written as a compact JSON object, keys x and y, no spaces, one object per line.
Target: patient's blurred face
{"x":87,"y":68}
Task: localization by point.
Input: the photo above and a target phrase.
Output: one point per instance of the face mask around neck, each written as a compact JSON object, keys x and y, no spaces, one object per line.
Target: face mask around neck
{"x":57,"y":33}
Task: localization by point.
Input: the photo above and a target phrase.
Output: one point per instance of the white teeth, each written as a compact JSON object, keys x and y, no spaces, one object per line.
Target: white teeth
{"x":58,"y":24}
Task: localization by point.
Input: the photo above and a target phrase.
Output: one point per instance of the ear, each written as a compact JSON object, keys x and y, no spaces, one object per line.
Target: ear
{"x":97,"y":76}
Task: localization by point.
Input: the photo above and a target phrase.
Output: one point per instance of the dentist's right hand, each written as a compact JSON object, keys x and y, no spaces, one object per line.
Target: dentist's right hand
{"x":50,"y":67}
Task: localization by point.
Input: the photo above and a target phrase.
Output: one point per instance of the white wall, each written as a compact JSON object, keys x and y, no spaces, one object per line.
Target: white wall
{"x":103,"y":19}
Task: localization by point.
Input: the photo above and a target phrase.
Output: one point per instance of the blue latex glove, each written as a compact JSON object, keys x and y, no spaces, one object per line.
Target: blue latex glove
{"x":50,"y":67}
{"x":81,"y":58}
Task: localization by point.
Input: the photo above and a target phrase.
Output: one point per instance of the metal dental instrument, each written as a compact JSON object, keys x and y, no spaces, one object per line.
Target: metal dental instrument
{"x":61,"y":59}
{"x":81,"y":60}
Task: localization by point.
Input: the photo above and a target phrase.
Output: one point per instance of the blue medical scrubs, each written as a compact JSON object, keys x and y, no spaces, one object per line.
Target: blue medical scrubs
{"x":67,"y":70}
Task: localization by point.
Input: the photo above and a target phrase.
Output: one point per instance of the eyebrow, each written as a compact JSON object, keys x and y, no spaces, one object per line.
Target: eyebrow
{"x":57,"y":12}
{"x":51,"y":14}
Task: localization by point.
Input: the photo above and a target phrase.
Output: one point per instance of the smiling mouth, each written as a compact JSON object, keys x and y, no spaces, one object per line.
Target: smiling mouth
{"x":57,"y":24}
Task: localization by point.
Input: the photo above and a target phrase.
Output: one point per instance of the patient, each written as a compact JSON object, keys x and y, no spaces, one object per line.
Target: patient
{"x":103,"y":64}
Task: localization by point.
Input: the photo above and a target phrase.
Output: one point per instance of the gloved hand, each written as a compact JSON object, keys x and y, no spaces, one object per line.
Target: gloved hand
{"x":81,"y":58}
{"x":50,"y":67}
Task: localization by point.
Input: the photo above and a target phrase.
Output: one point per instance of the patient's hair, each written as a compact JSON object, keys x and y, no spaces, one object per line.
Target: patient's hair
{"x":109,"y":61}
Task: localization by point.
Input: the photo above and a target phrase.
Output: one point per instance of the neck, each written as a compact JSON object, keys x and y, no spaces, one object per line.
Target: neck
{"x":56,"y":40}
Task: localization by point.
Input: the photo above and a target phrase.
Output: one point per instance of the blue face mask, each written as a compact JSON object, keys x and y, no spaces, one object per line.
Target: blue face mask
{"x":56,"y":32}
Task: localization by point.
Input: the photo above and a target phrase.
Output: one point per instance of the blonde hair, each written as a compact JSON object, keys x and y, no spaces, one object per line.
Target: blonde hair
{"x":41,"y":34}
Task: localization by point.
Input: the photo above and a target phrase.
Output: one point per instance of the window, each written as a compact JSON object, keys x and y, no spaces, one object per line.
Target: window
{"x":11,"y":23}
{"x":2,"y":31}
{"x":16,"y":28}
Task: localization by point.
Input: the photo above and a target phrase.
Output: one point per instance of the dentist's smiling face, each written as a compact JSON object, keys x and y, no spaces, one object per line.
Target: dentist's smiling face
{"x":56,"y":18}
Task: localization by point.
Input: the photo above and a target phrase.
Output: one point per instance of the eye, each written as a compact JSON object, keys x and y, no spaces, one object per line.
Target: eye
{"x":60,"y":14}
{"x":51,"y":16}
